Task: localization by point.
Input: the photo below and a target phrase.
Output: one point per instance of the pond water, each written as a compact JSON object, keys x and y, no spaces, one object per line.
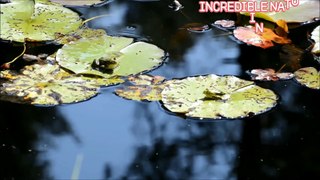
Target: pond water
{"x":108,"y":137}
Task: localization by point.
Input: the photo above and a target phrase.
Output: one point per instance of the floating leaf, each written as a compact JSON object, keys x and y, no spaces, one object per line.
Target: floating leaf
{"x":106,"y":81}
{"x":79,"y":34}
{"x":145,"y":88}
{"x":269,"y":75}
{"x":130,"y":58}
{"x":306,"y":10}
{"x":145,"y":79}
{"x":217,"y":97}
{"x":263,"y":40}
{"x":79,"y":2}
{"x":45,"y":85}
{"x":309,"y":77}
{"x":225,"y":23}
{"x":282,"y":28}
{"x":316,"y":37}
{"x":39,"y":21}
{"x":196,"y":27}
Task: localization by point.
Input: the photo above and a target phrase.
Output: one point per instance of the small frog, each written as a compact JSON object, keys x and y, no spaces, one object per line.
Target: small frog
{"x":107,"y":63}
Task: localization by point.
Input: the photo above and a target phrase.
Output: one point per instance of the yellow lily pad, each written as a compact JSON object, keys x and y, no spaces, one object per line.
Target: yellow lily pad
{"x":144,"y":88}
{"x":45,"y":85}
{"x":308,"y":76}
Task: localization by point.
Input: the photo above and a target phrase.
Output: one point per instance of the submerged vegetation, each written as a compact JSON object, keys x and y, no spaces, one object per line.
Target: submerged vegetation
{"x":89,"y":59}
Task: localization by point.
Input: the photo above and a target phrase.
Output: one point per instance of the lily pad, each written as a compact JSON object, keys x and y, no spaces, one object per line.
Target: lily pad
{"x":315,"y":35}
{"x":130,"y":58}
{"x":45,"y":85}
{"x":80,"y":2}
{"x":145,"y":79}
{"x":217,"y":97}
{"x":39,"y":21}
{"x":308,"y":76}
{"x":305,"y":11}
{"x":78,"y":34}
{"x":144,"y":88}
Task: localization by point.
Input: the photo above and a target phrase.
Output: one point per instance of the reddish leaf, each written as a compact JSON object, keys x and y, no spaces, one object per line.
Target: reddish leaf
{"x":263,"y":40}
{"x":269,"y":75}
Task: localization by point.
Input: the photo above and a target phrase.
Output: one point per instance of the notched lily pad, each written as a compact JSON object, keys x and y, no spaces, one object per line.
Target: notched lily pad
{"x":45,"y":85}
{"x":39,"y":21}
{"x":308,"y":76}
{"x":130,"y":57}
{"x":217,"y":97}
{"x":144,"y":88}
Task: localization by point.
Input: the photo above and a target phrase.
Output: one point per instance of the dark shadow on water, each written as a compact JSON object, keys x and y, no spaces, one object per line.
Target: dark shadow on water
{"x":25,"y":135}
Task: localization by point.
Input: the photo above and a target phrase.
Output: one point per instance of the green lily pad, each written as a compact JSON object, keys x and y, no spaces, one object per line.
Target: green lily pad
{"x":217,"y":97}
{"x":129,"y":58}
{"x":305,"y":11}
{"x":308,"y":76}
{"x":79,"y":2}
{"x":39,"y":21}
{"x":45,"y":85}
{"x":144,"y":88}
{"x":79,"y":34}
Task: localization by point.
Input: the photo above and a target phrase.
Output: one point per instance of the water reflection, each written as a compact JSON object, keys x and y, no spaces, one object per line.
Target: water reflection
{"x":25,"y":136}
{"x":170,"y":148}
{"x":127,"y":139}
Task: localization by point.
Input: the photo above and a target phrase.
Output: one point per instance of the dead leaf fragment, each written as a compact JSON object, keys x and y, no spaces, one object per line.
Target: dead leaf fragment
{"x":263,"y":40}
{"x":269,"y":75}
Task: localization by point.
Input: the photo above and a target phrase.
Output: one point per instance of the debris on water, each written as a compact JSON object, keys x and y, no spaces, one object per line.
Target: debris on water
{"x":197,"y":27}
{"x":176,"y":5}
{"x":225,"y":23}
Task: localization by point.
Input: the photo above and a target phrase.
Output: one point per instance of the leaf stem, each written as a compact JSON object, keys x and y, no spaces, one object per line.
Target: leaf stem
{"x":284,"y":65}
{"x":93,"y":18}
{"x":12,"y":61}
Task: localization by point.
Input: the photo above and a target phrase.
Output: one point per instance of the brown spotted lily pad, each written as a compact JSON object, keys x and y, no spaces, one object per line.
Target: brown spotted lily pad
{"x":45,"y":85}
{"x":217,"y":97}
{"x":308,"y":76}
{"x":143,"y":88}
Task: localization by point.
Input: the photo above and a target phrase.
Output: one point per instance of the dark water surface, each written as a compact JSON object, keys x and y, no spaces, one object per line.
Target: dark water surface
{"x":109,"y":137}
